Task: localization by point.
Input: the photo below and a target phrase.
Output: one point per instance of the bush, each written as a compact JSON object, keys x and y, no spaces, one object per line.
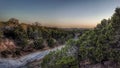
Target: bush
{"x":39,"y":44}
{"x":51,"y":42}
{"x":23,"y":42}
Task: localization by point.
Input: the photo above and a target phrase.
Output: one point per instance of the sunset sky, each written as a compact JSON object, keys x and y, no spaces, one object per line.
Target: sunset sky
{"x":59,"y":13}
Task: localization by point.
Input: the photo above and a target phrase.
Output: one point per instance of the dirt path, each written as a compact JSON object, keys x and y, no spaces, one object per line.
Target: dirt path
{"x":16,"y":63}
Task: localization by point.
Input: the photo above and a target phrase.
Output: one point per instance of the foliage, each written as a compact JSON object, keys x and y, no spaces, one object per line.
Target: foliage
{"x":97,"y":45}
{"x":51,"y":42}
{"x":101,"y":44}
{"x":64,"y":58}
{"x":28,"y":37}
{"x":39,"y":43}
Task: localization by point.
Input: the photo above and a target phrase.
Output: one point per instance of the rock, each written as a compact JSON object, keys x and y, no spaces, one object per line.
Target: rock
{"x":7,"y":45}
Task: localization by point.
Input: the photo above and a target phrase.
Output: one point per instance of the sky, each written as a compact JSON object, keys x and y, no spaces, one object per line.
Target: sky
{"x":59,"y":13}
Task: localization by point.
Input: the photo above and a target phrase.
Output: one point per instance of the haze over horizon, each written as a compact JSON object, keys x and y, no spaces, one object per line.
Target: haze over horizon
{"x":59,"y":13}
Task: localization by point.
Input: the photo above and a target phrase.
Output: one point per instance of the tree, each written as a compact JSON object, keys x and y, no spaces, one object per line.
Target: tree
{"x":13,"y":21}
{"x":30,"y":32}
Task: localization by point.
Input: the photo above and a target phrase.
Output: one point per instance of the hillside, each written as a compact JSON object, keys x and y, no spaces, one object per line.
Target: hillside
{"x":97,"y":48}
{"x":18,"y":39}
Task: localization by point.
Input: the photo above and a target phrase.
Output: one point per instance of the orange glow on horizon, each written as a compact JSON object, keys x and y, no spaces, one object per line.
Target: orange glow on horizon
{"x":72,"y":23}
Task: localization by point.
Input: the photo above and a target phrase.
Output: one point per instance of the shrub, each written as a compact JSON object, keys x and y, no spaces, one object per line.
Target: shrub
{"x":51,"y":42}
{"x":39,"y":43}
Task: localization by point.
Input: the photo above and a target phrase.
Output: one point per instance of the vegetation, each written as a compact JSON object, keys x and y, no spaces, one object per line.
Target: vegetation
{"x":29,"y":37}
{"x":51,"y":42}
{"x":101,"y":44}
{"x":62,"y":58}
{"x":94,"y":46}
{"x":38,"y":44}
